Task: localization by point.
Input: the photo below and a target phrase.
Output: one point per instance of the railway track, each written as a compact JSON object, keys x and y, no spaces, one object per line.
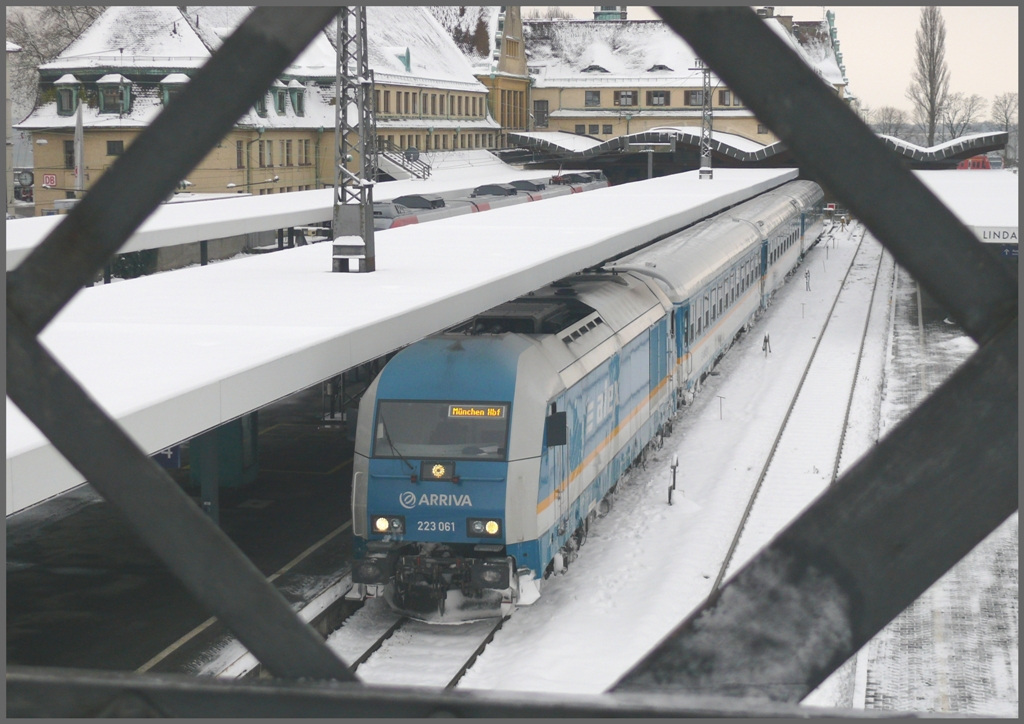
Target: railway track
{"x":791,"y":477}
{"x":388,"y":648}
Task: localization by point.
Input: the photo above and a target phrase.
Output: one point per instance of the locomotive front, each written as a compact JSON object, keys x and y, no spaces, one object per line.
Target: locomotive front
{"x":430,"y":480}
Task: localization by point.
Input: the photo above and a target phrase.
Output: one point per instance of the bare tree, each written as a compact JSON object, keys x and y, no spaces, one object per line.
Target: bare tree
{"x":929,"y":84}
{"x":553,"y":12}
{"x":890,"y":121}
{"x":863,"y":111}
{"x":1004,"y":114}
{"x":959,"y":113}
{"x":43,"y":33}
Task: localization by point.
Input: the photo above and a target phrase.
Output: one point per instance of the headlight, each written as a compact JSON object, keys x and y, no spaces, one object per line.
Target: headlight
{"x":490,"y":575}
{"x":389,"y":524}
{"x":483,"y":527}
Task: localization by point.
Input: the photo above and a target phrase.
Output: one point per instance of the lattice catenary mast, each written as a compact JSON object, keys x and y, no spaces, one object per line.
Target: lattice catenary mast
{"x":705,"y":123}
{"x":353,"y":116}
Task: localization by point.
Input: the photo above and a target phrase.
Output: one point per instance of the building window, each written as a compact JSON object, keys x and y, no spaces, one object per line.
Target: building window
{"x":451,"y":105}
{"x":239,"y":154}
{"x":387,"y":101}
{"x":433,"y":105}
{"x":115,"y":148}
{"x":112,"y":99}
{"x":460,"y":105}
{"x":270,"y":152}
{"x":540,"y":114}
{"x":69,"y":154}
{"x":444,"y":141}
{"x":512,"y":48}
{"x":724,"y":98}
{"x":581,"y":129}
{"x":262,"y":155}
{"x":376,"y":101}
{"x":407,"y":103}
{"x":66,"y":101}
{"x":279,"y":104}
{"x":607,"y":129}
{"x":693,"y":98}
{"x":305,"y":145}
{"x":287,"y":153}
{"x":298,"y":101}
{"x":658,"y":98}
{"x":625,"y":98}
{"x":736,"y":101}
{"x":592,"y":98}
{"x":593,"y":131}
{"x":261,"y":106}
{"x":415,"y":97}
{"x":473,"y":102}
{"x":761,"y":129}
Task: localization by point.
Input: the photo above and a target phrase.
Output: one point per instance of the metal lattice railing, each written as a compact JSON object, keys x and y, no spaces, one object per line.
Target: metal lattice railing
{"x":895,"y":522}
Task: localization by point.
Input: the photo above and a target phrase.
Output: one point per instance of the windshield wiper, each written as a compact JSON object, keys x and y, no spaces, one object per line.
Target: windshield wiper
{"x":387,"y":436}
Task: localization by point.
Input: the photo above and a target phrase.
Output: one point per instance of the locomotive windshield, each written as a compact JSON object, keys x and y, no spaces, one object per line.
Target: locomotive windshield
{"x":449,"y":430}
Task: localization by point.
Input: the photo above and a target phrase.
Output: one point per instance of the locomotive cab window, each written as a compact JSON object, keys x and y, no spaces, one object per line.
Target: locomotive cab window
{"x":441,"y":430}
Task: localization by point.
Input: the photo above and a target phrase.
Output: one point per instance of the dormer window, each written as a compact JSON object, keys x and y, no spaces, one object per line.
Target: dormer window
{"x":298,"y":93}
{"x":658,"y":67}
{"x":594,"y":69}
{"x":172,"y":85}
{"x":67,"y":94}
{"x":279,"y":92}
{"x":261,"y":106}
{"x":115,"y":93}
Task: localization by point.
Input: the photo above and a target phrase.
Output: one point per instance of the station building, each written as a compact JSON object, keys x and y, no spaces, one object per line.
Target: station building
{"x":606,"y":78}
{"x":131,"y":62}
{"x":491,"y":37}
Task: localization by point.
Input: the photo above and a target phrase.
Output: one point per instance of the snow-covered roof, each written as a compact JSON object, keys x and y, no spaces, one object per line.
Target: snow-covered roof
{"x":818,"y":56}
{"x":129,"y":36}
{"x":475,"y":31}
{"x":561,"y":50}
{"x":12,"y":48}
{"x":175,"y":78}
{"x":67,"y":79}
{"x":113,"y":78}
{"x":819,"y":53}
{"x":962,"y":147}
{"x":562,"y":139}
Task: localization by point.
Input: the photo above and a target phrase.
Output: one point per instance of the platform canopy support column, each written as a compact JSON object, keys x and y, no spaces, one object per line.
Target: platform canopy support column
{"x":353,"y":119}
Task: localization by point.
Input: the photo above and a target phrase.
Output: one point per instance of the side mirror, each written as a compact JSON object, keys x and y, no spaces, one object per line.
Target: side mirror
{"x":555,"y":430}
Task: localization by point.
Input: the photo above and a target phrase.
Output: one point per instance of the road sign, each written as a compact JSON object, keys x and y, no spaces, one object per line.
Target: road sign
{"x":49,"y":179}
{"x":830,"y":207}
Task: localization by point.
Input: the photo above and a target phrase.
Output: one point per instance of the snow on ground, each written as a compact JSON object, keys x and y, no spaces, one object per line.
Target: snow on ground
{"x":955,"y":648}
{"x":802,"y":466}
{"x":646,"y":564}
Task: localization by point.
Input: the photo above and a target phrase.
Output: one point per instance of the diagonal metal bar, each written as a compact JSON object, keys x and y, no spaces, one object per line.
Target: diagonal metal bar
{"x":63,"y":693}
{"x":202,"y":557}
{"x":206,"y":561}
{"x":862,"y":552}
{"x":177,"y":140}
{"x":839,"y":149}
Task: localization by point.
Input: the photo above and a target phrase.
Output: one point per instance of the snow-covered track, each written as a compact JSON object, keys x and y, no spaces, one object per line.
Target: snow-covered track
{"x":388,"y":648}
{"x":751,"y":543}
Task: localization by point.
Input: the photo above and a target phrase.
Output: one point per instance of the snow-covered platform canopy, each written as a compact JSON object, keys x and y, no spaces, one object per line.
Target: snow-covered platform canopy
{"x":171,"y":355}
{"x":742,"y":150}
{"x":173,"y":224}
{"x":986,"y":201}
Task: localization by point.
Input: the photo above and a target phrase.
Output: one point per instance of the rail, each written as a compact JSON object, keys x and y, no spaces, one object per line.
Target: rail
{"x":881,"y":535}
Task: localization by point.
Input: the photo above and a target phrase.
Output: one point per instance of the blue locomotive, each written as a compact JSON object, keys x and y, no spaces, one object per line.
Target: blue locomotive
{"x":482,"y":453}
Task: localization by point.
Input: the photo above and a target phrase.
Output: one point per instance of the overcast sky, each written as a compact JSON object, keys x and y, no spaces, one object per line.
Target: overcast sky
{"x":878,"y":47}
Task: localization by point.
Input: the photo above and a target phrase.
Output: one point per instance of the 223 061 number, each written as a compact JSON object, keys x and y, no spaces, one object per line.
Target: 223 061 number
{"x":436,"y":526}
